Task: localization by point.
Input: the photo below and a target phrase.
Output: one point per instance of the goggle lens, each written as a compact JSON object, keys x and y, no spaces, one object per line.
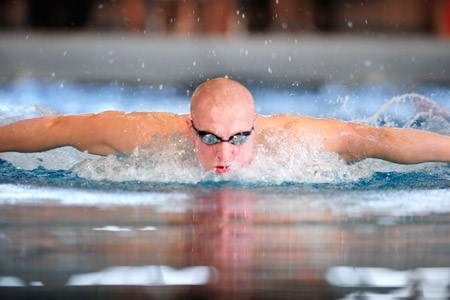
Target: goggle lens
{"x":212,"y":139}
{"x":239,"y":139}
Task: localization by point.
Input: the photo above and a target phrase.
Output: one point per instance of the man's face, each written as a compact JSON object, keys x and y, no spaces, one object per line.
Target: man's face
{"x":223,"y":108}
{"x":224,"y":156}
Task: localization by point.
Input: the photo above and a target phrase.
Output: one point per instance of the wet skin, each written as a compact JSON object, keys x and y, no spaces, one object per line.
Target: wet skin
{"x":224,"y":108}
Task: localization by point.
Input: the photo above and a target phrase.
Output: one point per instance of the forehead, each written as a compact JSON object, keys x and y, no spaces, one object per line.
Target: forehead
{"x":222,"y":106}
{"x":225,"y":120}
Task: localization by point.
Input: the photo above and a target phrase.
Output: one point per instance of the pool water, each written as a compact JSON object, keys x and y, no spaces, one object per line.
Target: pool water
{"x":70,"y":226}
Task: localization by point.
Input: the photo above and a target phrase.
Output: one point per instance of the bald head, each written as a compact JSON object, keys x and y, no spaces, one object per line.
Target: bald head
{"x":224,"y":108}
{"x":221,"y":96}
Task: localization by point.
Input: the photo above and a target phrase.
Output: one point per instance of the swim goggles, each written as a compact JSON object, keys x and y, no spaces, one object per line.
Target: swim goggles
{"x":209,"y":138}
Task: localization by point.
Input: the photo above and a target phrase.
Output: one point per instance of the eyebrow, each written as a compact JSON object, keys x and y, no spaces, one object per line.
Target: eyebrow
{"x":208,"y":132}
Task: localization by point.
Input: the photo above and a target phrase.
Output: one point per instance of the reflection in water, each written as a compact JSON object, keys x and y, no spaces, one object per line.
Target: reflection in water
{"x":11,"y":281}
{"x":144,"y":275}
{"x":431,"y":283}
{"x":224,"y":244}
{"x":224,"y":237}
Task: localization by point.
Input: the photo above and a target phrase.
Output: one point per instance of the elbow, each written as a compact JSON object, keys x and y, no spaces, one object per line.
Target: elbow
{"x":357,"y":142}
{"x":52,"y":122}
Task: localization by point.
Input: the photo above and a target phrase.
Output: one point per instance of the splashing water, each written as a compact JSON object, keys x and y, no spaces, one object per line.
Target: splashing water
{"x":165,"y":159}
{"x":280,"y":158}
{"x":412,"y":111}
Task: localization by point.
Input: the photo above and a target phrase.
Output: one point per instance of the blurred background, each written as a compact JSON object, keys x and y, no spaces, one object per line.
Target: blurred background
{"x":263,"y":42}
{"x":229,"y":17}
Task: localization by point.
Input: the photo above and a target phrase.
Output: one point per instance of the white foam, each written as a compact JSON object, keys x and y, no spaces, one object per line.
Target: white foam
{"x":281,"y":158}
{"x":148,"y":228}
{"x":36,"y":283}
{"x":20,"y":194}
{"x":385,"y":203}
{"x":166,"y":159}
{"x":145,"y":275}
{"x":112,"y":228}
{"x":11,"y":281}
{"x":57,"y":159}
{"x":431,"y":282}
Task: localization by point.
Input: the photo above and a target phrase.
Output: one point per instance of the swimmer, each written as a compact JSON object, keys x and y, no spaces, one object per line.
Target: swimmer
{"x":224,"y":127}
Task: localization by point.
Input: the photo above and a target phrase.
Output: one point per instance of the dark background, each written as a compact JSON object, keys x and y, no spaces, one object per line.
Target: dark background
{"x":229,"y":17}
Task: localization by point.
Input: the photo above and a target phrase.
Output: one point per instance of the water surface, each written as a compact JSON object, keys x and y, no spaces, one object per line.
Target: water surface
{"x":71,"y":226}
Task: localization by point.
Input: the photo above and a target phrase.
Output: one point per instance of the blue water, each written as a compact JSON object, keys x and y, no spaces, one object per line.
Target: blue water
{"x":28,"y":98}
{"x":373,"y":229}
{"x":379,"y":180}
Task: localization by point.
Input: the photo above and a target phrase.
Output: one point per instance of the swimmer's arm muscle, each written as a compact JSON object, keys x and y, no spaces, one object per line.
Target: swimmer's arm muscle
{"x":399,"y":145}
{"x":95,"y":133}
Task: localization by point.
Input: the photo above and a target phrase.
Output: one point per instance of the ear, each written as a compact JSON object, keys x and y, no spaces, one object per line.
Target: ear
{"x":188,"y":123}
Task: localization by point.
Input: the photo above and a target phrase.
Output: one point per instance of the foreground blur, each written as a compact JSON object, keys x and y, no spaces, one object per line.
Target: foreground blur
{"x":225,"y":243}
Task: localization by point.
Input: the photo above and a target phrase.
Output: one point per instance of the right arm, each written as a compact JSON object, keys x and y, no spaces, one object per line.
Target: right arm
{"x":104,"y":133}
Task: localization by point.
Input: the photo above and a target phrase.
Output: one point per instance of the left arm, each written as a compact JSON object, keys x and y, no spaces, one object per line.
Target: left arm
{"x":400,"y":145}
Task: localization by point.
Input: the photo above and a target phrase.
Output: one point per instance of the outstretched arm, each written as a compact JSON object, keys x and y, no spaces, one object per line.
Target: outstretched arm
{"x":399,"y":145}
{"x":102,"y":134}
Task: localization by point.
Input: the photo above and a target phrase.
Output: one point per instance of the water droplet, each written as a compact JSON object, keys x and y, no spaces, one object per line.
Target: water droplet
{"x":65,"y":53}
{"x":237,"y":12}
{"x":53,"y":74}
{"x":269,"y":69}
{"x":161,"y":86}
{"x":194,"y":63}
{"x":27,"y":36}
{"x":139,"y":79}
{"x":289,"y":59}
{"x":246,"y":52}
{"x":143,"y":65}
{"x":350,"y":24}
{"x":100,"y":6}
{"x":368,"y":63}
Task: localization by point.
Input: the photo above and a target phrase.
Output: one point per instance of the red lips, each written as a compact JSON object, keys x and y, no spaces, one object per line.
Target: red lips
{"x":221,"y":169}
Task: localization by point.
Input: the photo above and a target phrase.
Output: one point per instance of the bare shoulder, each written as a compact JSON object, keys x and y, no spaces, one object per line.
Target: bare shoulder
{"x":298,"y":123}
{"x":124,"y":131}
{"x":154,"y":121}
{"x":321,"y":132}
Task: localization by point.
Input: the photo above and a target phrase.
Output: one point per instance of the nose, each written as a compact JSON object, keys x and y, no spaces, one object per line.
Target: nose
{"x":224,"y":153}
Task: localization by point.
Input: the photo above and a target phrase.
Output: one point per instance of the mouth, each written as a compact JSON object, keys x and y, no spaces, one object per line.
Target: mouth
{"x":221,"y":169}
